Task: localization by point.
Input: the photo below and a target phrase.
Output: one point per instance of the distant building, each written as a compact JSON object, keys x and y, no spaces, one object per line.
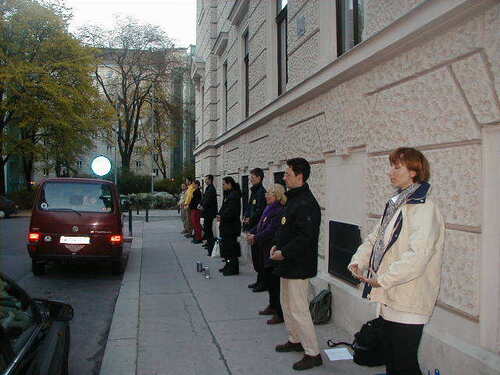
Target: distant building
{"x":342,"y":83}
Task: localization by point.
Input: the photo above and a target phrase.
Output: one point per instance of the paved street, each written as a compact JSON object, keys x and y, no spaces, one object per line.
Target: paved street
{"x":90,"y":289}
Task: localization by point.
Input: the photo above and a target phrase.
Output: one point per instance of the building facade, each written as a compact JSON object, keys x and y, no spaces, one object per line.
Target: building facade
{"x":342,"y":83}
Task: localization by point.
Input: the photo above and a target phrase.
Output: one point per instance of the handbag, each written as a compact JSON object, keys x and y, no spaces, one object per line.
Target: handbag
{"x":321,"y":307}
{"x":368,"y":344}
{"x":216,"y":249}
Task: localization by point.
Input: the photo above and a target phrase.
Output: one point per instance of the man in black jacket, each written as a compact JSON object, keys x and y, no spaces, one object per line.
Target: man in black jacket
{"x":253,"y":212}
{"x":296,"y":256}
{"x":209,"y":204}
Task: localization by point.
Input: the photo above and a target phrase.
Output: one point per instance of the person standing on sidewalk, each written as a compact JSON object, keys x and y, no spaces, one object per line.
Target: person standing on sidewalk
{"x":296,"y":257}
{"x":254,"y":210}
{"x":403,"y":258}
{"x":262,"y":237}
{"x":209,"y":204}
{"x":230,"y":226}
{"x":194,"y":208}
{"x":187,"y":200}
{"x":181,"y":209}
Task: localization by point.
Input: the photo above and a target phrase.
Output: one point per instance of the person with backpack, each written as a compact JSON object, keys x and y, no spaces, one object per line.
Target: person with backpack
{"x":402,"y":261}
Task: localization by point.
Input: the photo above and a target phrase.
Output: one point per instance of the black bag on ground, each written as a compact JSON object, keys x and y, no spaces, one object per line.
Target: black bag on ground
{"x":368,"y":344}
{"x":321,"y":307}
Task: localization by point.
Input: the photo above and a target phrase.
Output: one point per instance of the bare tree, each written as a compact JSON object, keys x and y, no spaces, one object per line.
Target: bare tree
{"x":135,"y":60}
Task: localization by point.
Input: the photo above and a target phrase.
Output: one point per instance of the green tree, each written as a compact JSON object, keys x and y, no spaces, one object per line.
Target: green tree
{"x":134,"y":71}
{"x":49,"y":105}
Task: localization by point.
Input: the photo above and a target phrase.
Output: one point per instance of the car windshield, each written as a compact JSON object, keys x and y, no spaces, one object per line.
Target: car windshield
{"x":76,"y":196}
{"x":16,"y":315}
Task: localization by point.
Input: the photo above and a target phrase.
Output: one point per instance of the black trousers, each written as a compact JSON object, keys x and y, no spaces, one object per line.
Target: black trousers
{"x":209,"y":234}
{"x":273,"y":283}
{"x":401,"y":343}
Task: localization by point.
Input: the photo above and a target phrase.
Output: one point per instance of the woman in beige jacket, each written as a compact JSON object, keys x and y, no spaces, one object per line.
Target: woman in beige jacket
{"x":402,"y":261}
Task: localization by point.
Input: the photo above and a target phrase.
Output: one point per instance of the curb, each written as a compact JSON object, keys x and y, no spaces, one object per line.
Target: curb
{"x":120,"y":355}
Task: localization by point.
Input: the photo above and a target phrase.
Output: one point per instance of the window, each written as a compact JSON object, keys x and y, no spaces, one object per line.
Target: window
{"x":45,"y":171}
{"x":246,"y":55}
{"x":155,"y":157}
{"x":282,"y":22}
{"x":155,"y":172}
{"x":156,"y":142}
{"x":225,"y":88}
{"x":202,"y":111}
{"x":83,"y":197}
{"x":17,"y":319}
{"x":349,"y":24}
{"x":109,"y":147}
{"x":138,"y":164}
{"x":79,"y":164}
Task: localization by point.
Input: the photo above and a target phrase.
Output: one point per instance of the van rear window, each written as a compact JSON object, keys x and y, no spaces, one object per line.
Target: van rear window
{"x":81,"y":197}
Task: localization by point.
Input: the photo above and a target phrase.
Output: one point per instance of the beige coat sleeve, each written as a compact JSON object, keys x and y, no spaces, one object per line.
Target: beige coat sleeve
{"x":362,"y":256}
{"x":425,"y":231}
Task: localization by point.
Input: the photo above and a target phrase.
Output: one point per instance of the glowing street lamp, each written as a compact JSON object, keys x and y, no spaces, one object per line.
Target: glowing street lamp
{"x":101,"y":166}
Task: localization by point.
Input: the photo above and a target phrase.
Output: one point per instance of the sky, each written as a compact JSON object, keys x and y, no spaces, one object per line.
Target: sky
{"x":176,"y":17}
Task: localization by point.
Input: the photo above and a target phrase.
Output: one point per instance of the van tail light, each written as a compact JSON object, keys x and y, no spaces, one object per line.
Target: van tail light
{"x":116,"y":239}
{"x":34,"y":237}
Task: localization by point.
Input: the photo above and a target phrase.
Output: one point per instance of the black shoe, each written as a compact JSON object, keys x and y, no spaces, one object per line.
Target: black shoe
{"x":259,"y":288}
{"x":308,"y":362}
{"x":267,"y":311}
{"x":289,"y":347}
{"x":253,"y":285}
{"x":233,"y":267}
{"x":196,"y":241}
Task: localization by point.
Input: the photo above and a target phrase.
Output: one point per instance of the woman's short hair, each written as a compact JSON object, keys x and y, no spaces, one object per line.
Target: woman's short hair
{"x":279,"y":193}
{"x":414,"y":160}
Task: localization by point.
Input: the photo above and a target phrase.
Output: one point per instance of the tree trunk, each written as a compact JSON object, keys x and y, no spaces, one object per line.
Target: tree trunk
{"x":3,"y":188}
{"x":28,"y":171}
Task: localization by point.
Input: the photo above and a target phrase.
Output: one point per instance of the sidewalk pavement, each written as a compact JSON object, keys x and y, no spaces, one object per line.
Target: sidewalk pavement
{"x":169,"y":320}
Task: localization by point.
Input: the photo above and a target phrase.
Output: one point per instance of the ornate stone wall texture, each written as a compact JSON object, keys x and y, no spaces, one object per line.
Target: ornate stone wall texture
{"x":436,"y":95}
{"x":381,"y":13}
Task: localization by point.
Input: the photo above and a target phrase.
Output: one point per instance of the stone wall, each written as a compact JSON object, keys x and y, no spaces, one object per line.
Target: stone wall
{"x":437,"y":95}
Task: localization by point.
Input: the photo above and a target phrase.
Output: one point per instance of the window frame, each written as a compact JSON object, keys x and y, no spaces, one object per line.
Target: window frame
{"x":282,"y":38}
{"x":356,"y":16}
{"x":246,"y":67}
{"x":225,"y":88}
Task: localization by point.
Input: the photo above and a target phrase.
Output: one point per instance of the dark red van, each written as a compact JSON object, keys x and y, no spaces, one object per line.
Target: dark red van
{"x":76,"y":219}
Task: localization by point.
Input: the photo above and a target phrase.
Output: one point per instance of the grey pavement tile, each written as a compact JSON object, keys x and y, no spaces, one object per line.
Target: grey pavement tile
{"x":120,"y":358}
{"x":173,"y":358}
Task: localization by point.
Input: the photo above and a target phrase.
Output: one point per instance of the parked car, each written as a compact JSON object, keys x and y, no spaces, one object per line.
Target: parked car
{"x":76,"y":220}
{"x":34,"y":333}
{"x":7,"y":207}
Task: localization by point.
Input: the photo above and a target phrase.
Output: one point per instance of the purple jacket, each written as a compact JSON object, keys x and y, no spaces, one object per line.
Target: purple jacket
{"x":266,"y":228}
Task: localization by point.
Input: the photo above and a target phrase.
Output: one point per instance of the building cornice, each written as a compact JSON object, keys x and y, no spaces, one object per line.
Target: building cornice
{"x":422,"y":23}
{"x":238,"y":11}
{"x":220,"y":43}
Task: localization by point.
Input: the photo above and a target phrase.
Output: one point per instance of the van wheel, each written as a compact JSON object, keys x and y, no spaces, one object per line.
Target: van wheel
{"x":38,"y":268}
{"x":117,"y":267}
